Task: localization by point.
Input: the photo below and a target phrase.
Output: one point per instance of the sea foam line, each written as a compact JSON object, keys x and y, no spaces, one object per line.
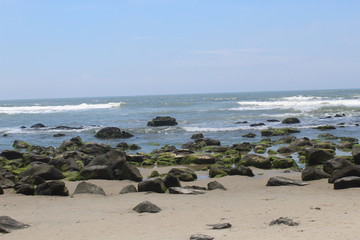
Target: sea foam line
{"x":59,"y":108}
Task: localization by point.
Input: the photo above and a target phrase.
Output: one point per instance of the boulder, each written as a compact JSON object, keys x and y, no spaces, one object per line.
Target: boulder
{"x":53,"y":188}
{"x":94,"y":148}
{"x":8,"y":224}
{"x":66,"y":164}
{"x":291,"y":120}
{"x":112,"y":133}
{"x":257,"y":124}
{"x":301,"y":142}
{"x":347,"y":182}
{"x":128,"y":189}
{"x":345,"y":172}
{"x":96,"y":172}
{"x":162,"y":121}
{"x":147,"y":207}
{"x":336,"y":163}
{"x":315,"y":156}
{"x":255,"y":161}
{"x":215,"y":185}
{"x":309,"y":174}
{"x":152,"y":185}
{"x":19,"y":144}
{"x":242,"y":147}
{"x":45,"y":171}
{"x":197,"y":136}
{"x":324,"y":128}
{"x":281,"y":181}
{"x":189,"y":191}
{"x":356,"y":154}
{"x":24,"y":188}
{"x":88,"y":188}
{"x":183,"y":174}
{"x":37,"y":158}
{"x":218,"y":171}
{"x":171,"y":181}
{"x":278,"y":131}
{"x":249,"y":135}
{"x":32,"y":180}
{"x":126,"y":171}
{"x":11,"y":154}
{"x":242,"y":171}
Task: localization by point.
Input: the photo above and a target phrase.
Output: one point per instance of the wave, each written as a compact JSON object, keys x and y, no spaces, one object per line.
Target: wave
{"x":35,"y":109}
{"x":298,"y":103}
{"x":16,"y":130}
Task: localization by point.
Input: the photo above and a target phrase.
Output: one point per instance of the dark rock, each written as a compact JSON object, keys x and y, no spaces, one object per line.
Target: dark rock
{"x":52,"y":188}
{"x":215,"y":185}
{"x":200,"y":237}
{"x":281,"y":181}
{"x":94,"y":148}
{"x":339,"y":115}
{"x":242,"y":147}
{"x":126,"y":171}
{"x":26,"y":189}
{"x":255,"y":161}
{"x":7,"y":224}
{"x":45,"y":171}
{"x":207,"y":142}
{"x":11,"y":154}
{"x":277,"y":162}
{"x":147,"y":207}
{"x":315,"y":156}
{"x":88,"y":188}
{"x":59,"y":135}
{"x":171,"y":181}
{"x":197,"y":136}
{"x":37,"y":158}
{"x":134,"y":147}
{"x":112,"y":133}
{"x":286,"y":150}
{"x":301,"y":142}
{"x":356,"y":154}
{"x":198,"y":158}
{"x":278,"y":131}
{"x":241,"y":122}
{"x":323,"y":128}
{"x":162,"y":121}
{"x":128,"y":189}
{"x":195,"y":187}
{"x":345,"y":172}
{"x":347,"y":182}
{"x":257,"y":124}
{"x":1,"y":191}
{"x":6,"y":183}
{"x":285,"y":221}
{"x":220,"y":226}
{"x":180,"y":190}
{"x":249,"y":135}
{"x":183,"y":174}
{"x":18,"y":144}
{"x":38,"y":125}
{"x":139,"y":158}
{"x":290,"y":121}
{"x":242,"y":171}
{"x":272,"y":120}
{"x":336,"y":164}
{"x":123,"y":146}
{"x":152,"y":185}
{"x":66,"y":164}
{"x":309,"y":174}
{"x":32,"y":180}
{"x":96,"y":172}
{"x":218,"y":171}
{"x":66,"y":128}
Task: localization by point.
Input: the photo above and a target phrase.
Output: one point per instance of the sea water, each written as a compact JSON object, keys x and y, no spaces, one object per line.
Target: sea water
{"x":216,"y":115}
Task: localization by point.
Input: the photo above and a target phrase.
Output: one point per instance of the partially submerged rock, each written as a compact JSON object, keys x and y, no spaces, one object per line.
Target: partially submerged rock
{"x":147,"y":207}
{"x":291,"y":120}
{"x":162,"y":121}
{"x":112,"y":133}
{"x":282,"y":181}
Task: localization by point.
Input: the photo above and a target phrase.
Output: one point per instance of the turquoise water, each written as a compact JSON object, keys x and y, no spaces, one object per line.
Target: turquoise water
{"x":215,"y":115}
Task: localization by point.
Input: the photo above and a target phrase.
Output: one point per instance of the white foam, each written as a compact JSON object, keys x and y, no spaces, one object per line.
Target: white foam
{"x":16,"y":130}
{"x":223,"y":129}
{"x":54,"y":109}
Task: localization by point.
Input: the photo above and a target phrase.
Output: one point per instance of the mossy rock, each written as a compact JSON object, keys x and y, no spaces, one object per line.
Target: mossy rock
{"x":260,"y":149}
{"x":325,"y":127}
{"x":271,"y":152}
{"x":166,"y":159}
{"x":19,"y":144}
{"x":327,"y":136}
{"x":154,"y":174}
{"x":228,"y":160}
{"x":255,"y":161}
{"x":183,"y":174}
{"x":71,"y":175}
{"x":325,"y":145}
{"x":148,"y":162}
{"x":283,"y":163}
{"x":154,"y":144}
{"x":278,"y":131}
{"x":198,"y":158}
{"x":249,"y":135}
{"x":217,"y":171}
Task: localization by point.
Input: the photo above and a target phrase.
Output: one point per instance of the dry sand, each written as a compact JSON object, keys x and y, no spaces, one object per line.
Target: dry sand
{"x":248,"y":205}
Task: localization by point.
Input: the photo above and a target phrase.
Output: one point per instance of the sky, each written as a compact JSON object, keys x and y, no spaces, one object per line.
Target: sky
{"x":84,"y":48}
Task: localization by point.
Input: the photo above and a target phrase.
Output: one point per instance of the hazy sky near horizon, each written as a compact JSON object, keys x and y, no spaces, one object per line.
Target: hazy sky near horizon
{"x":80,"y":48}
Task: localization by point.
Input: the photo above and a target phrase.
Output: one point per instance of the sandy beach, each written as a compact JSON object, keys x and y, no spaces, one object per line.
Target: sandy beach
{"x":322,"y":213}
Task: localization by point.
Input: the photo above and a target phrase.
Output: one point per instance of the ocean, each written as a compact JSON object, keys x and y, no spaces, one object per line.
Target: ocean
{"x":216,"y":115}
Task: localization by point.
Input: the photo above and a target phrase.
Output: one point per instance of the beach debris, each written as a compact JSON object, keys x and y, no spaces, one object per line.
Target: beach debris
{"x":201,"y":237}
{"x":347,"y":182}
{"x":285,"y":221}
{"x":147,"y":207}
{"x":215,"y":185}
{"x":162,"y":121}
{"x":128,"y":189}
{"x":281,"y":181}
{"x":88,"y":188}
{"x":309,"y":174}
{"x":180,"y":190}
{"x":7,"y":224}
{"x":219,"y":226}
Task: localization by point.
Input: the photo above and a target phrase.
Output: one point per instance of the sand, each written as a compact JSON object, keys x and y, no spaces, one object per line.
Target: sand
{"x":322,"y":213}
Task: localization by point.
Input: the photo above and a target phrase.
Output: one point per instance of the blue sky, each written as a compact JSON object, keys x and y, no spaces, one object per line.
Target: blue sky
{"x":77,"y":48}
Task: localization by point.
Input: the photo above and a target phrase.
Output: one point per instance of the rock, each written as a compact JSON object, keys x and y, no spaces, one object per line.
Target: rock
{"x":128,"y":189}
{"x":241,"y":122}
{"x":198,"y":158}
{"x":345,"y":172}
{"x":8,"y":224}
{"x":272,"y":120}
{"x":88,"y":188}
{"x":96,"y":172}
{"x":309,"y":174}
{"x":32,"y":180}
{"x":290,"y":120}
{"x":180,"y":190}
{"x":315,"y":156}
{"x":285,"y":221}
{"x":301,"y":142}
{"x":171,"y":181}
{"x":183,"y":174}
{"x":249,"y":135}
{"x":162,"y":121}
{"x":281,"y":163}
{"x":38,"y":125}
{"x":6,"y":183}
{"x":134,"y":147}
{"x":152,"y":185}
{"x":281,"y":181}
{"x":52,"y":188}
{"x":126,"y":171}
{"x":356,"y":153}
{"x":11,"y":154}
{"x":202,"y":142}
{"x":336,"y":163}
{"x":278,"y":131}
{"x":1,"y":191}
{"x":94,"y":148}
{"x":18,"y":144}
{"x":200,"y":237}
{"x":242,"y":171}
{"x":323,"y":128}
{"x":347,"y":182}
{"x":257,"y":124}
{"x":255,"y":161}
{"x":218,"y":171}
{"x":36,"y":158}
{"x":197,"y":136}
{"x":66,"y":128}
{"x":72,"y":145}
{"x":146,"y":206}
{"x":67,"y":164}
{"x":112,"y":133}
{"x":242,"y":147}
{"x":215,"y":185}
{"x":59,"y":135}
{"x":286,"y":150}
{"x":26,"y":189}
{"x":220,"y":226}
{"x":45,"y":171}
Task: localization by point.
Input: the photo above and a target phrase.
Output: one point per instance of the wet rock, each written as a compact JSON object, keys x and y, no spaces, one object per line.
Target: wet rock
{"x":38,"y":125}
{"x":88,"y":188}
{"x":278,"y":131}
{"x":162,"y":121}
{"x":309,"y":174}
{"x":324,"y":128}
{"x":45,"y":171}
{"x":336,"y":164}
{"x":189,"y":191}
{"x":290,"y":120}
{"x":183,"y":174}
{"x":282,"y":181}
{"x":347,"y":182}
{"x":200,"y":237}
{"x":112,"y":133}
{"x":128,"y":189}
{"x":198,"y":158}
{"x":242,"y":147}
{"x":215,"y":185}
{"x":241,"y":122}
{"x":197,"y":136}
{"x":255,"y":161}
{"x":8,"y":224}
{"x":272,"y":120}
{"x":152,"y":185}
{"x":249,"y":135}
{"x":285,"y":221}
{"x":59,"y":135}
{"x":19,"y":144}
{"x":52,"y":188}
{"x":301,"y":142}
{"x":207,"y":142}
{"x":257,"y":124}
{"x":345,"y":172}
{"x":147,"y":207}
